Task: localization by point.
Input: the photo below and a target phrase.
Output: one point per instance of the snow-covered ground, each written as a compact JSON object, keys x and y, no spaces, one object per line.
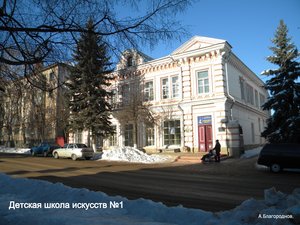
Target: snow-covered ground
{"x":26,"y":202}
{"x":129,"y":154}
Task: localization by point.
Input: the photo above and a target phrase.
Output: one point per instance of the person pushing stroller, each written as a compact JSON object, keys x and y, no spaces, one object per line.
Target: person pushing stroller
{"x":213,"y":153}
{"x":217,"y":148}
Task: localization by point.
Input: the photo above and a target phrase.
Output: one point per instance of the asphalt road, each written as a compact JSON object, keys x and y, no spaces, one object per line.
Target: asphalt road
{"x":211,"y":187}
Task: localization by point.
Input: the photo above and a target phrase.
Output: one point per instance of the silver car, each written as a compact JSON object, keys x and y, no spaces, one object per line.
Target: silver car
{"x":74,"y":151}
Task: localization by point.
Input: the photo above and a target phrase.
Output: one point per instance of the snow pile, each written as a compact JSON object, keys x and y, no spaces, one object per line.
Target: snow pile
{"x":130,"y":212}
{"x":251,"y":153}
{"x":130,"y":154}
{"x":15,"y":150}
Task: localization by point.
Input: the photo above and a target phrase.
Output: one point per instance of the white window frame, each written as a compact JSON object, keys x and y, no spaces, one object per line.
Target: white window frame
{"x":150,"y":135}
{"x":203,"y":80}
{"x":165,"y":94}
{"x":175,"y":87}
{"x":170,"y":136}
{"x":149,"y":91}
{"x":128,"y":135}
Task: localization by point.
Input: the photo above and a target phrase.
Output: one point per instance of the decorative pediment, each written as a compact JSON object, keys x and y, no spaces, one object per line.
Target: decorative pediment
{"x":197,"y":42}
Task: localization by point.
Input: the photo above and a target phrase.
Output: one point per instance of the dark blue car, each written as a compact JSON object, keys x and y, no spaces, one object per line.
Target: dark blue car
{"x":44,"y":149}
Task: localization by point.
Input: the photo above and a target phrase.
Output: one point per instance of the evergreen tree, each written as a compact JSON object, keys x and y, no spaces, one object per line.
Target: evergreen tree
{"x":284,"y":88}
{"x":87,"y":86}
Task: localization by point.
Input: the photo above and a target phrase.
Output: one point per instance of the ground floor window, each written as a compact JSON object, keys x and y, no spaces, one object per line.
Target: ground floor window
{"x":172,"y":135}
{"x":149,"y":135}
{"x":113,"y":137}
{"x":78,"y":137}
{"x":128,"y":135}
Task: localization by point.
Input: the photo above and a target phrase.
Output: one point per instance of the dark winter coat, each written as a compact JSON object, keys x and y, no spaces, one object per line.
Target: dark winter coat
{"x":217,"y":147}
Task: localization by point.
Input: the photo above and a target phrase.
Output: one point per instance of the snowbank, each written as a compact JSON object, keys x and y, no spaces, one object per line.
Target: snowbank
{"x":130,"y":154}
{"x":82,"y":210}
{"x":127,"y":154}
{"x":15,"y":150}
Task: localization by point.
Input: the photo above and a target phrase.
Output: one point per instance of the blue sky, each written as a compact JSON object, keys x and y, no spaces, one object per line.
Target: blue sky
{"x":248,"y":25}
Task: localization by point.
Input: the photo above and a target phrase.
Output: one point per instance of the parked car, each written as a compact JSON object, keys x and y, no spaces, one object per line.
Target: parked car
{"x":73,"y":151}
{"x":44,"y":149}
{"x":280,"y":156}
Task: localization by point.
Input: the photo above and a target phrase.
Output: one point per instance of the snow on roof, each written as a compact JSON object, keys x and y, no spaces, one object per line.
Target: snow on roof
{"x":76,"y":206}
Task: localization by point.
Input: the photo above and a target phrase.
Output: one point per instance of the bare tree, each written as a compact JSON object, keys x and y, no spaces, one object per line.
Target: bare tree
{"x":133,"y":107}
{"x":35,"y":31}
{"x":11,"y":113}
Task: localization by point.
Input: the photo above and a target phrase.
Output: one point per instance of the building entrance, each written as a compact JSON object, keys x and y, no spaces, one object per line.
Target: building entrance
{"x":205,"y":133}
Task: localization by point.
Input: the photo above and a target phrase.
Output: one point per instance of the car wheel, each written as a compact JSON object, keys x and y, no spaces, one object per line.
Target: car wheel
{"x":55,"y":155}
{"x":74,"y":157}
{"x":88,"y":158}
{"x":45,"y":154}
{"x":275,"y":168}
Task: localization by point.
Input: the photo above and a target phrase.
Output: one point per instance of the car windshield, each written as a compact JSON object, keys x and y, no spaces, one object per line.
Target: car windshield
{"x":81,"y":146}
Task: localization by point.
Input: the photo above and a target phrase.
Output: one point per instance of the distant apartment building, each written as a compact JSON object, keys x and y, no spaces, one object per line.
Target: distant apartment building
{"x":199,"y":93}
{"x":31,"y":115}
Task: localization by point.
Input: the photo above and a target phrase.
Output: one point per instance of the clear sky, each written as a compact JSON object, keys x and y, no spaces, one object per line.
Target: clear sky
{"x":248,"y":25}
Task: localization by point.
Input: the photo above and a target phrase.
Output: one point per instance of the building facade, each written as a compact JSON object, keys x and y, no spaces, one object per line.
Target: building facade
{"x":199,"y":93}
{"x":31,"y":115}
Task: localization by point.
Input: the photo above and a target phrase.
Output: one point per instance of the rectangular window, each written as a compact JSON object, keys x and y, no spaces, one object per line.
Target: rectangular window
{"x":149,"y":93}
{"x":113,"y":137}
{"x":203,"y":82}
{"x":128,"y":135}
{"x":165,"y":88}
{"x":175,"y":87}
{"x":78,"y":137}
{"x":242,"y":85}
{"x":150,"y":135}
{"x":125,"y":93}
{"x":51,"y":76}
{"x":113,"y":99}
{"x":172,"y":135}
{"x":252,"y":133}
{"x":262,"y":99}
{"x":256,"y":98}
{"x":249,"y":91}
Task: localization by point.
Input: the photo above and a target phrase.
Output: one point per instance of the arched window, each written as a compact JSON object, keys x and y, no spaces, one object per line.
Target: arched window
{"x":129,"y":61}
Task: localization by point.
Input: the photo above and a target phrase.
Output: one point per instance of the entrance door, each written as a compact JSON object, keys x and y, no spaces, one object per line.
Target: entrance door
{"x":205,"y":137}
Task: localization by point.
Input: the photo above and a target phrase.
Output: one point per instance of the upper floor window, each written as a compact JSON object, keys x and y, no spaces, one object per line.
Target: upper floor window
{"x":130,"y":61}
{"x":249,"y":91}
{"x":165,"y":88}
{"x":148,"y":91}
{"x":125,"y":93}
{"x":175,"y":87}
{"x":262,"y":99}
{"x":113,"y":99}
{"x":170,"y":87}
{"x":256,"y":98}
{"x":51,"y":76}
{"x":202,"y":82}
{"x":242,"y":85}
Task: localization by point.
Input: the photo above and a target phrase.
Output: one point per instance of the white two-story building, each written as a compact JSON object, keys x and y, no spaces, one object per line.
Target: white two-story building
{"x":199,"y":93}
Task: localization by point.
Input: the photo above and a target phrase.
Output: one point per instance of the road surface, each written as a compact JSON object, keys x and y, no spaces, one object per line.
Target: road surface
{"x":212,"y":187}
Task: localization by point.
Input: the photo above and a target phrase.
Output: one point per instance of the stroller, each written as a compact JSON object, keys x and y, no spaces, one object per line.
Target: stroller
{"x":209,"y":157}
